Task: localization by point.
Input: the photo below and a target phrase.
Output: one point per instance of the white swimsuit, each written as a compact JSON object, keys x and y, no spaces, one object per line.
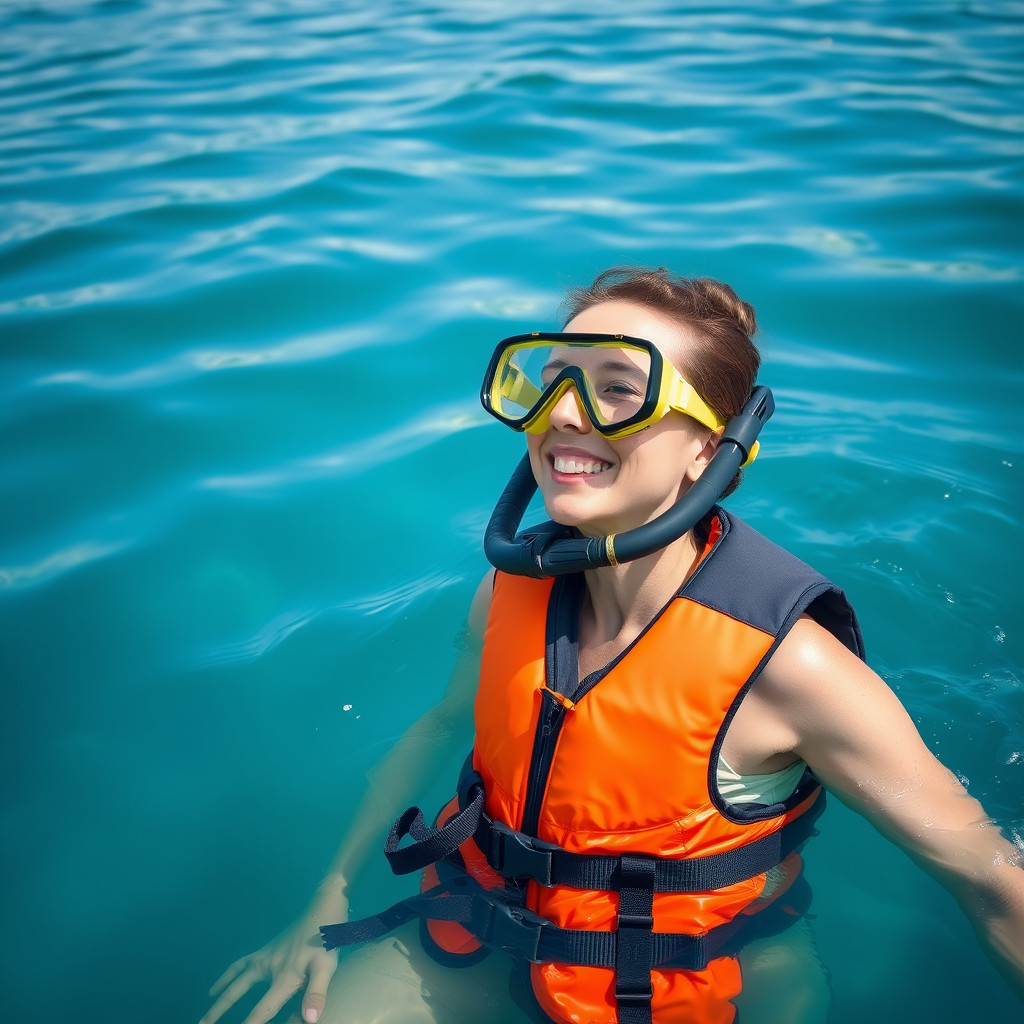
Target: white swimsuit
{"x":758,"y":789}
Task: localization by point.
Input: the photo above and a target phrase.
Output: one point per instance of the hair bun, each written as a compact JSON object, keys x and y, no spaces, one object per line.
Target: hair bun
{"x":726,"y":303}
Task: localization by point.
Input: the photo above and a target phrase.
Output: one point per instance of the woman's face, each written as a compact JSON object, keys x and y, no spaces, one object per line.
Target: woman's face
{"x":602,"y":486}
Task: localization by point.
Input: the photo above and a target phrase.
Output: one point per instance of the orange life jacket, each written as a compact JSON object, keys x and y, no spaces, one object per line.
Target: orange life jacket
{"x":589,"y":838}
{"x":623,"y":765}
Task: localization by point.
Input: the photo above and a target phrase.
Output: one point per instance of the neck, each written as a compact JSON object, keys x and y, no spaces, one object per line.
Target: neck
{"x":621,"y":600}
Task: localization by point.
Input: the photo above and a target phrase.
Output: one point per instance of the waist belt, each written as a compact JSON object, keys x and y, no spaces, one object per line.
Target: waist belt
{"x":514,"y":854}
{"x":498,"y":921}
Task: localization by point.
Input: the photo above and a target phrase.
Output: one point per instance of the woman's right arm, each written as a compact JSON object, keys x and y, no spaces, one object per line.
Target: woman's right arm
{"x":296,"y":957}
{"x":824,"y":704}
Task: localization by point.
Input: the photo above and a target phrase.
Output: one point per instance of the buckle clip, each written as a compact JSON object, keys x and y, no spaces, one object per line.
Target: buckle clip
{"x":515,"y":855}
{"x":515,"y":931}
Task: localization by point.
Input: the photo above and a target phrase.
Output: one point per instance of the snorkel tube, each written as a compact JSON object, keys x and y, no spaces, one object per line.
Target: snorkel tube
{"x":554,"y":550}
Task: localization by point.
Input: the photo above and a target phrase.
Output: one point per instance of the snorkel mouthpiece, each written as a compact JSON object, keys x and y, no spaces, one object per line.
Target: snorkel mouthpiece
{"x":554,"y":550}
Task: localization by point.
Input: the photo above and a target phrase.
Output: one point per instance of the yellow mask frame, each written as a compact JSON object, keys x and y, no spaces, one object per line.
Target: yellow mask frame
{"x":512,"y":397}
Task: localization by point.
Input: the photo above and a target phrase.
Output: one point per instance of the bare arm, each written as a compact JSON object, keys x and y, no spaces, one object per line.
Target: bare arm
{"x":844,"y":721}
{"x":296,"y":957}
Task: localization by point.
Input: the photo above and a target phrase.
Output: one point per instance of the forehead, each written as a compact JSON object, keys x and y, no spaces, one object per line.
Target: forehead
{"x":619,"y":317}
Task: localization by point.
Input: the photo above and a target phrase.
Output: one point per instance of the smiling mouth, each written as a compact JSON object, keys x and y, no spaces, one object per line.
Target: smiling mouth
{"x":579,"y":467}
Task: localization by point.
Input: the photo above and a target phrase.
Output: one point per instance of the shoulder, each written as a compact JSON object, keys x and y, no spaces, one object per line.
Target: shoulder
{"x":753,"y":579}
{"x":841,"y":717}
{"x":814,"y":669}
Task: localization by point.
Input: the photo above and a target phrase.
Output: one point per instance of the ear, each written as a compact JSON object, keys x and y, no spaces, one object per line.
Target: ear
{"x":700,"y":461}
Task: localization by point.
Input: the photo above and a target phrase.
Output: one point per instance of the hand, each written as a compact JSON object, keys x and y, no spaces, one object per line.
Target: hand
{"x":293,"y":959}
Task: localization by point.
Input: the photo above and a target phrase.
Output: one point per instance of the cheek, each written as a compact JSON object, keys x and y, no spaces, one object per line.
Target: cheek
{"x":533,"y":443}
{"x":660,"y":460}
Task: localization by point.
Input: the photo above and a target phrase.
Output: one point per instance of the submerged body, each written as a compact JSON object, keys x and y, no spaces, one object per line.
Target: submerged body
{"x":811,"y":701}
{"x":617,"y":764}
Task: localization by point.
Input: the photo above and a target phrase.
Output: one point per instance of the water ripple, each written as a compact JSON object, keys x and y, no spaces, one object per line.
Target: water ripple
{"x":352,"y":458}
{"x":184,"y":365}
{"x":391,"y":601}
{"x":19,"y":577}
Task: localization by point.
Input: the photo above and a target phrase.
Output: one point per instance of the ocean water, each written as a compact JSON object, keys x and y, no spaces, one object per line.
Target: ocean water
{"x":253,"y":258}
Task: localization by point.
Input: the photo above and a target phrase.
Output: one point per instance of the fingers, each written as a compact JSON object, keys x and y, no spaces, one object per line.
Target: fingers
{"x":232,"y":993}
{"x":320,"y":973}
{"x":277,"y":995}
{"x":235,"y":969}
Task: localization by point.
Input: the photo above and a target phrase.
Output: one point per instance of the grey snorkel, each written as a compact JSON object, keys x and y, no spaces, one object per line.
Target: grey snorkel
{"x":553,"y":550}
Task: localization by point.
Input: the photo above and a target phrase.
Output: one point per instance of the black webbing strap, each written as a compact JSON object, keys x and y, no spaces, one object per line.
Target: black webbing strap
{"x":431,"y":844}
{"x":498,"y":921}
{"x":368,"y":928}
{"x":515,"y":855}
{"x":490,"y":917}
{"x":634,"y":951}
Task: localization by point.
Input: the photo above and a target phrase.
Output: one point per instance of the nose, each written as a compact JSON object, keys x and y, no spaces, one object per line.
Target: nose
{"x":568,"y":413}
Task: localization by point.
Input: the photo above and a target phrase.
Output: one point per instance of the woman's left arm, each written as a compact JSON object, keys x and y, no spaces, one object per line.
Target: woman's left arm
{"x":845,"y":722}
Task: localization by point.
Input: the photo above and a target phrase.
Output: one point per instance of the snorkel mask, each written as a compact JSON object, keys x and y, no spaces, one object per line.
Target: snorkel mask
{"x":623,"y":385}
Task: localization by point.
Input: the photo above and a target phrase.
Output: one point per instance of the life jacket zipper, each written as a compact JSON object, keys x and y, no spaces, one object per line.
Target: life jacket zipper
{"x":563,"y":621}
{"x":561,"y":666}
{"x":549,"y":725}
{"x":564,"y":702}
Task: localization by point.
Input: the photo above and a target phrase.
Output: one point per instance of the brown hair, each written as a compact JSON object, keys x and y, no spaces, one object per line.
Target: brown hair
{"x":724,"y":367}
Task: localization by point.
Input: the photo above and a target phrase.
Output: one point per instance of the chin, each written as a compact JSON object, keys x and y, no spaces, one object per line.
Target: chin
{"x":563,"y":513}
{"x":593,"y":523}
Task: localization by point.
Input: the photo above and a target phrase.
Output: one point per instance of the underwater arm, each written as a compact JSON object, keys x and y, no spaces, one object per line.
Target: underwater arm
{"x":847,"y":724}
{"x":424,"y":749}
{"x":296,"y":957}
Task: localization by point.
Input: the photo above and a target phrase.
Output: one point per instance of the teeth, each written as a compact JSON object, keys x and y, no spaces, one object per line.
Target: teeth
{"x":580,"y":466}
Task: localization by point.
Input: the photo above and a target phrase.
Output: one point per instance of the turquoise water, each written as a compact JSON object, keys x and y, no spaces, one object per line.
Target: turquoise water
{"x":253,"y":258}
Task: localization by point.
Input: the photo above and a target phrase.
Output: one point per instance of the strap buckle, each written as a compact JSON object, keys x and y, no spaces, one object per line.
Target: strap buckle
{"x":514,"y":930}
{"x":515,"y":855}
{"x":642,"y":922}
{"x":640,"y":1000}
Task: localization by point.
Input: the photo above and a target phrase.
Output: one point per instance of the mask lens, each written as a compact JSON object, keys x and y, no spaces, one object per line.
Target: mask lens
{"x":615,"y":377}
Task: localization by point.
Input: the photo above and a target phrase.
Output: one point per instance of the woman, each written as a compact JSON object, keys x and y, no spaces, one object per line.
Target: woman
{"x":657,"y":716}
